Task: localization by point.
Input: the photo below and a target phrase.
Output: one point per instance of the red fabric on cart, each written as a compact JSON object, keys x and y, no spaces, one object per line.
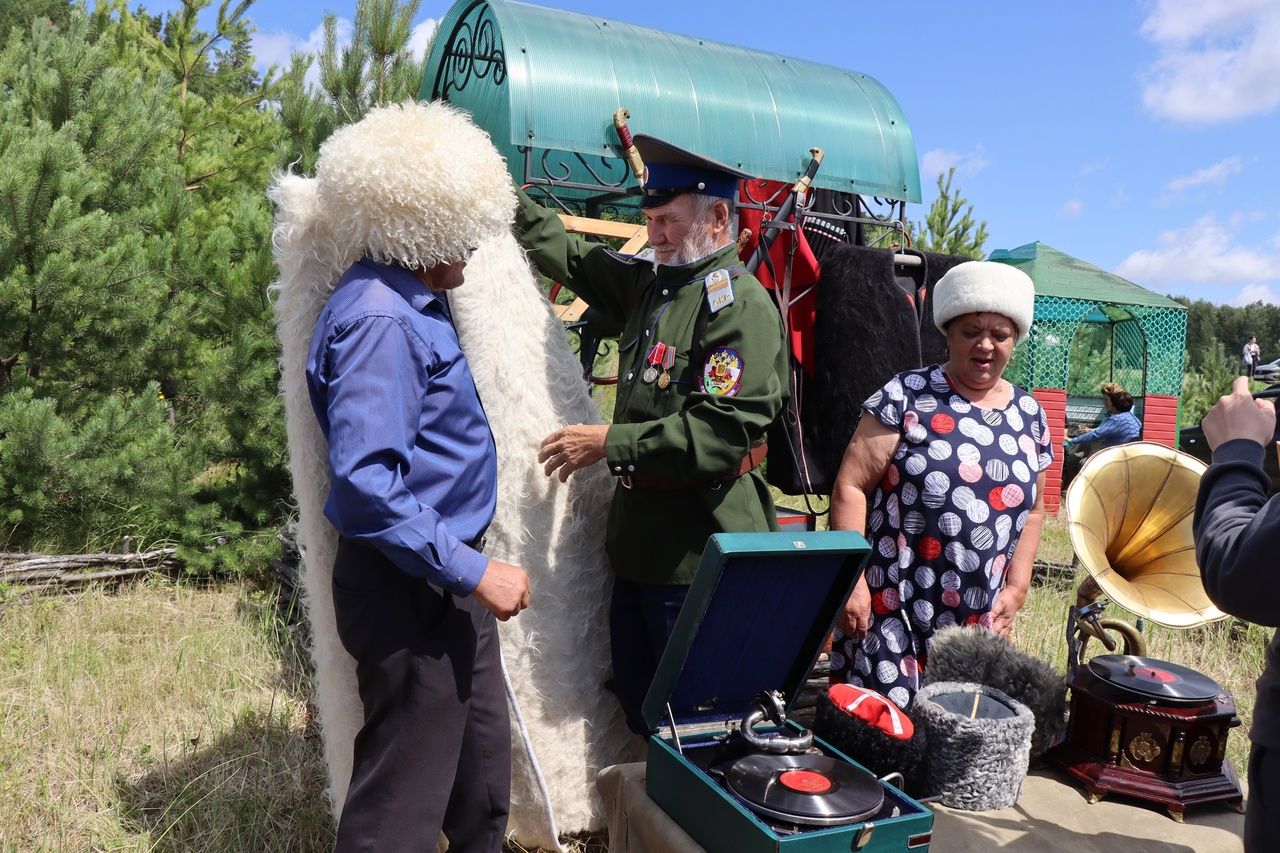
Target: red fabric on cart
{"x":804,"y":269}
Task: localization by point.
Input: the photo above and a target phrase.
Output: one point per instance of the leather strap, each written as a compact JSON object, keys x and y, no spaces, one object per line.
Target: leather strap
{"x":754,"y":457}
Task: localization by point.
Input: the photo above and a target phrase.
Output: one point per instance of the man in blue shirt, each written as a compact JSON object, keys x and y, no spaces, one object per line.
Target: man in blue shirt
{"x":414,"y":482}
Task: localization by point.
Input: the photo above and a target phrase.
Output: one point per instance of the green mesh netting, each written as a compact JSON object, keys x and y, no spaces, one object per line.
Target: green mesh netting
{"x":1139,"y":346}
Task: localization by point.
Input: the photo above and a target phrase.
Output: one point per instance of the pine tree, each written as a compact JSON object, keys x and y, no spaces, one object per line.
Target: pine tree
{"x":134,"y":260}
{"x":949,"y":227}
{"x":375,"y":69}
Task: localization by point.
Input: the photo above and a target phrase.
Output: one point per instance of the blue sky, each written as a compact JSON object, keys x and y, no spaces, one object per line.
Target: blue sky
{"x":1140,"y":135}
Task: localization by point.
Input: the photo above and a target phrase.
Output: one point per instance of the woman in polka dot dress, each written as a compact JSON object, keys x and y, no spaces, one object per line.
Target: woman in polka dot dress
{"x":945,"y":477}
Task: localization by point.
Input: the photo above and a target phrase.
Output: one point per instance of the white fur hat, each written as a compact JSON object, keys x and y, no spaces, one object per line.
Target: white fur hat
{"x":414,"y":184}
{"x":976,"y":286}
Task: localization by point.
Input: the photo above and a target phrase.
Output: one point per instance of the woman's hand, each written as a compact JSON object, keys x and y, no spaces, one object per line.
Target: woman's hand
{"x":855,"y":619}
{"x":1008,"y":603}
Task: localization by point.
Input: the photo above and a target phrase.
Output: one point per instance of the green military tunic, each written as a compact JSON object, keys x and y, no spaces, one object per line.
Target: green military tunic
{"x":690,"y":437}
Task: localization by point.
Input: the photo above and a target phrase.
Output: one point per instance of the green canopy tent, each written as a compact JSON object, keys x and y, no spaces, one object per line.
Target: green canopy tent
{"x":1140,"y":335}
{"x":545,"y":84}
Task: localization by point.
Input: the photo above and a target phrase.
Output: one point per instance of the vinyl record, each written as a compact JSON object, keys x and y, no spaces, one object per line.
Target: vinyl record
{"x":806,"y":789}
{"x":1154,"y":678}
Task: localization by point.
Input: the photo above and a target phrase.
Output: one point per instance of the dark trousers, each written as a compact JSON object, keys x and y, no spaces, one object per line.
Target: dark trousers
{"x":1262,"y":816}
{"x":641,"y":618}
{"x":434,"y":753}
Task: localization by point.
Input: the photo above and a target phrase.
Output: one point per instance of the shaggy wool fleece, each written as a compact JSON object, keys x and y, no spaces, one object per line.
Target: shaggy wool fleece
{"x":557,"y":651}
{"x":307,"y":255}
{"x":566,"y":727}
{"x":415,"y":184}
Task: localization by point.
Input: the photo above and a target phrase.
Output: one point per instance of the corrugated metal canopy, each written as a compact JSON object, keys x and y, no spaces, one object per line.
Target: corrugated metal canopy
{"x":551,"y":80}
{"x":1058,"y":274}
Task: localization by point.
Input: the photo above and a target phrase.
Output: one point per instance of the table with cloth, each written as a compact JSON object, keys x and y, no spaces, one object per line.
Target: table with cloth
{"x":1051,"y":815}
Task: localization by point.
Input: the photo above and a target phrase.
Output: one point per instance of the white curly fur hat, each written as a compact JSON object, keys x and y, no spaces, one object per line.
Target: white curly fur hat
{"x":976,"y":286}
{"x":414,"y":184}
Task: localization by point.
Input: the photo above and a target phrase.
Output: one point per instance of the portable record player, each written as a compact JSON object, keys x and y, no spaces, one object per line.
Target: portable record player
{"x":1141,"y":726}
{"x":725,"y":763}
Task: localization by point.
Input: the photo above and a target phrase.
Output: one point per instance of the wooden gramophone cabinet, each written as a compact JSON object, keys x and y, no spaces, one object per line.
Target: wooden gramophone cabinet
{"x":1140,"y":726}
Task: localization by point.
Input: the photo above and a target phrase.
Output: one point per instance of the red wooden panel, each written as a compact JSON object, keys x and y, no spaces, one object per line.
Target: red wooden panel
{"x":1054,"y":403}
{"x":1160,"y":419}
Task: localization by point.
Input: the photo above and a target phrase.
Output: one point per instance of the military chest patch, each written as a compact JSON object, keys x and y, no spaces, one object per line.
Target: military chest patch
{"x":722,"y":374}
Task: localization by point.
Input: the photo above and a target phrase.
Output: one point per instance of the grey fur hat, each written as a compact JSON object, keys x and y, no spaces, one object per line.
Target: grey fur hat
{"x":976,"y":654}
{"x":978,"y":753}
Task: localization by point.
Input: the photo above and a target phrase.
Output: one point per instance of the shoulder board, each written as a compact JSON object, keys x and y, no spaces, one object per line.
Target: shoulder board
{"x":626,"y":259}
{"x":719,"y":287}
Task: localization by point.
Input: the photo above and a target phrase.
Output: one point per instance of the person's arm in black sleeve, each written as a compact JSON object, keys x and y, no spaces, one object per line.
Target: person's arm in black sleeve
{"x":1237,"y":534}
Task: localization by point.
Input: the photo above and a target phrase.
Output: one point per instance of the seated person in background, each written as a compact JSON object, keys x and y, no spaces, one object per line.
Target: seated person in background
{"x":1120,"y":426}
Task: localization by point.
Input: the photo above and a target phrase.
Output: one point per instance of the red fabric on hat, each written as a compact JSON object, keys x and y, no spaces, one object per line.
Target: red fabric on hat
{"x":873,"y":709}
{"x":804,"y":268}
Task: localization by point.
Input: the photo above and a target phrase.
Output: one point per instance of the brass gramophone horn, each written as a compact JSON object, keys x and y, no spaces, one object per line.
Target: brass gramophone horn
{"x":1129,"y":513}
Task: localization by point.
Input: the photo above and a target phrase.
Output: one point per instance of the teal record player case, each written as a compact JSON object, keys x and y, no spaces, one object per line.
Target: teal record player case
{"x":757,"y":614}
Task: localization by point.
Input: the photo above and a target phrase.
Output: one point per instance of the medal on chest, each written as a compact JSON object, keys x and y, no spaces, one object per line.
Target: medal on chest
{"x":668,"y":362}
{"x":656,"y":361}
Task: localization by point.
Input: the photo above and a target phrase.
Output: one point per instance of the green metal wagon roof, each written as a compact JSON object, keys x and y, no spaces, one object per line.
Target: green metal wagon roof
{"x":551,"y":80}
{"x":1058,"y":274}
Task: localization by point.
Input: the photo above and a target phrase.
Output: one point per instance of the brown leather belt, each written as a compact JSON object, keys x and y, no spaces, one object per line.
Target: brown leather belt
{"x":753,"y":458}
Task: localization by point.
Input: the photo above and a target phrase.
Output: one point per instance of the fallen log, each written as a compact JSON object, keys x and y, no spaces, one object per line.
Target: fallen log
{"x":60,"y":570}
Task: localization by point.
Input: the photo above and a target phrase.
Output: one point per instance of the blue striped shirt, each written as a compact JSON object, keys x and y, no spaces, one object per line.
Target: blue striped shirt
{"x":413,"y":461}
{"x":1116,"y":429}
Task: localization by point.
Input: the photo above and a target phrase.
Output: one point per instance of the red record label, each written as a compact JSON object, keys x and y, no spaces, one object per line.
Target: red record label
{"x":1152,"y":674}
{"x":805,"y":781}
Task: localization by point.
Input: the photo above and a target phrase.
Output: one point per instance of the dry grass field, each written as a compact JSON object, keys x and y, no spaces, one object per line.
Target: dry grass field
{"x":166,"y":717}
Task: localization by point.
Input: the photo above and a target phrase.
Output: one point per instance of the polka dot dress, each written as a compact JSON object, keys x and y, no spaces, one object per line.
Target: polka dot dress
{"x":943,"y":523}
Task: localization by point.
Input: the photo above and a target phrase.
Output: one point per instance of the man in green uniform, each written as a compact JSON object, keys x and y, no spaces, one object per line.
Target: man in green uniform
{"x":702,"y":373}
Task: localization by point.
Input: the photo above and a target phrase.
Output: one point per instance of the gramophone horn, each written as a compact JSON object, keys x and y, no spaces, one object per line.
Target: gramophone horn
{"x":1129,"y":513}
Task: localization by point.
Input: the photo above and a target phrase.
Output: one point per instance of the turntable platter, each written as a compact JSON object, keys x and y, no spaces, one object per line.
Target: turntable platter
{"x":1154,"y":678}
{"x":805,"y":789}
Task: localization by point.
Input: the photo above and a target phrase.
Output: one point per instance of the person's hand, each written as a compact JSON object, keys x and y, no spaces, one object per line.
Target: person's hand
{"x":855,"y":619}
{"x":577,"y":446}
{"x":1239,"y":415}
{"x":503,"y":590}
{"x":1008,"y":603}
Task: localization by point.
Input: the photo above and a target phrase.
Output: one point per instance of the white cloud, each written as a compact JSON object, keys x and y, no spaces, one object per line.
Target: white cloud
{"x":1092,"y":168}
{"x":1119,"y":196}
{"x":1241,"y":218}
{"x":1073,"y":208}
{"x":1218,"y":61}
{"x":420,"y":38}
{"x":1215,"y":174}
{"x":1204,"y":253}
{"x":1252,"y":293}
{"x":1181,"y":21}
{"x":274,"y":48}
{"x":938,"y":160}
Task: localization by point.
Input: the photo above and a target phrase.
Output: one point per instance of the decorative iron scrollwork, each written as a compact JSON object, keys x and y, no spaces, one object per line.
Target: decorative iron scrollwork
{"x":473,"y":51}
{"x":609,"y":173}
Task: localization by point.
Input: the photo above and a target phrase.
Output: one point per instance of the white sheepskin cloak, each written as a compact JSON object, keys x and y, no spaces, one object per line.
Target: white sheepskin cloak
{"x":565,"y":726}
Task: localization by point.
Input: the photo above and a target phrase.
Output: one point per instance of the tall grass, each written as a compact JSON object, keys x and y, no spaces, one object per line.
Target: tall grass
{"x":158,"y":718}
